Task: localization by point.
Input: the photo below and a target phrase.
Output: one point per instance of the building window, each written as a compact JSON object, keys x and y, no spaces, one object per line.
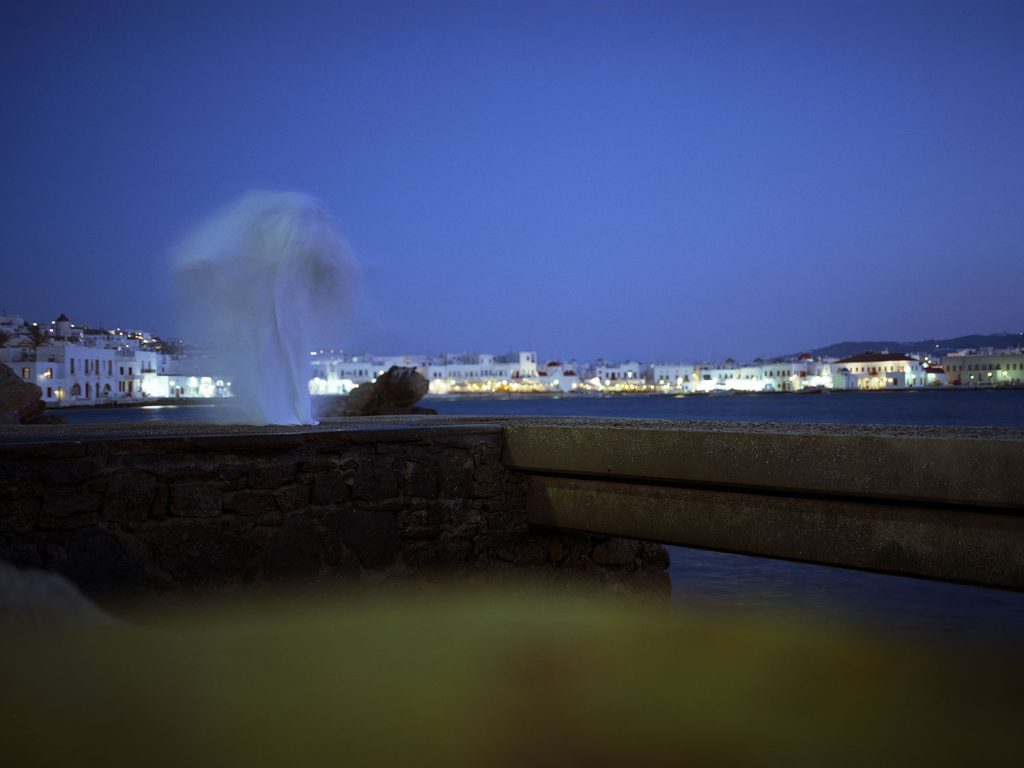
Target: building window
{"x":72,"y":365}
{"x":49,"y":391}
{"x":49,"y":373}
{"x":26,"y":373}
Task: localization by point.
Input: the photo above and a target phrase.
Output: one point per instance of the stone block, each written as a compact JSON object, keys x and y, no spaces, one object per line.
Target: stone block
{"x":272,"y":475}
{"x":233,"y":470}
{"x":70,"y":471}
{"x":251,"y":503}
{"x":419,"y":532}
{"x":195,"y":500}
{"x":161,"y":500}
{"x":69,"y":502}
{"x":295,"y":553}
{"x":456,"y":474}
{"x":420,"y":516}
{"x":442,"y":554}
{"x":532,"y":550}
{"x":292,"y":498}
{"x":487,"y":453}
{"x":373,"y":536}
{"x":487,"y":481}
{"x":616,"y":551}
{"x":331,"y":487}
{"x":204,"y":553}
{"x":172,"y":467}
{"x":375,"y":480}
{"x":19,"y":515}
{"x":456,"y":513}
{"x":500,"y":514}
{"x":129,"y":498}
{"x":317,"y":464}
{"x":420,"y":480}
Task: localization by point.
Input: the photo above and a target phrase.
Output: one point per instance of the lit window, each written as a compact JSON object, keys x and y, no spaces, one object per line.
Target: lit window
{"x":26,"y":373}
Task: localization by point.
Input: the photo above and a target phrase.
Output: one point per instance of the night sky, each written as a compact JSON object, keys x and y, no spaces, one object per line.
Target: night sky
{"x":650,"y":180}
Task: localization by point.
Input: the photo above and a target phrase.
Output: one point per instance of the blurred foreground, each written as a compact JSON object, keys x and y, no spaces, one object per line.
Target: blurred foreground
{"x":481,"y":678}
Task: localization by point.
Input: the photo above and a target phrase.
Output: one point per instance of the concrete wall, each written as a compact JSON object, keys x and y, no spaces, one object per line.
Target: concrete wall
{"x":941,"y":503}
{"x":422,"y":497}
{"x":143,"y":515}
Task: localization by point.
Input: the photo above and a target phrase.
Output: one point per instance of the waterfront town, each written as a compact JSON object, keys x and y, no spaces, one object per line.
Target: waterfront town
{"x":78,"y":365}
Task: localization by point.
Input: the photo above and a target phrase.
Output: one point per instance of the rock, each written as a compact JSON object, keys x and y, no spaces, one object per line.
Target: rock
{"x":22,"y":398}
{"x":40,"y":597}
{"x":393,"y":393}
{"x":616,"y":551}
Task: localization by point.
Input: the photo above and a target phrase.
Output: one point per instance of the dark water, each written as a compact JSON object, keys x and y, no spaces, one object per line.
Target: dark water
{"x":960,"y":408}
{"x":945,"y":612}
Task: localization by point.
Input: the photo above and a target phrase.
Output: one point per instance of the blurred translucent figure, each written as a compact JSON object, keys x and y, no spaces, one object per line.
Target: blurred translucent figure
{"x":260,"y":282}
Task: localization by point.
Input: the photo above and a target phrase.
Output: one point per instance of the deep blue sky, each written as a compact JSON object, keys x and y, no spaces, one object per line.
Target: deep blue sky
{"x":658,"y":180}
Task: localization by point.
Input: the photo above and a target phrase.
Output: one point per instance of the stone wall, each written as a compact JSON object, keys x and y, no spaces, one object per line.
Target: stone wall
{"x":141,"y":516}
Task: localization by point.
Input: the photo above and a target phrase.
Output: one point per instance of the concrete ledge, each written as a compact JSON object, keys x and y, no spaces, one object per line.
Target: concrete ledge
{"x":944,"y":504}
{"x":905,"y":466}
{"x":976,"y":546}
{"x":63,"y":438}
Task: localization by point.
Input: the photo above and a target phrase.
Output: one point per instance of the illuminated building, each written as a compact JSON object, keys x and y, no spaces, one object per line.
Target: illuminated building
{"x":987,"y":367}
{"x":87,"y":366}
{"x":477,"y":372}
{"x":878,"y":370}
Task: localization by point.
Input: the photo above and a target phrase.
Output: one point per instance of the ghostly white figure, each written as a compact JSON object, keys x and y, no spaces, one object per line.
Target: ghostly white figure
{"x":263,"y":279}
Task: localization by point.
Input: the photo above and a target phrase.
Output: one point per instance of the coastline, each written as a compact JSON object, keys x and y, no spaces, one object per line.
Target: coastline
{"x":455,"y":396}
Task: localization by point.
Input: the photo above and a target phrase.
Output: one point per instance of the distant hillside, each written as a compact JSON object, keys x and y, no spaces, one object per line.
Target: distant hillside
{"x":931,"y":346}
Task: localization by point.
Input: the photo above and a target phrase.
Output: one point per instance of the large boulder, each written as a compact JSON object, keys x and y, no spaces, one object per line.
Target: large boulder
{"x":20,"y":401}
{"x":395,"y":392}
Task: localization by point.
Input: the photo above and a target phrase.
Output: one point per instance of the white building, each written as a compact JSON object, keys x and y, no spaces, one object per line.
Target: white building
{"x":878,"y":370}
{"x":759,"y":376}
{"x":989,"y":367}
{"x":477,"y":372}
{"x":618,"y":376}
{"x":674,"y":377}
{"x":561,"y":377}
{"x":87,"y":366}
{"x":335,"y":373}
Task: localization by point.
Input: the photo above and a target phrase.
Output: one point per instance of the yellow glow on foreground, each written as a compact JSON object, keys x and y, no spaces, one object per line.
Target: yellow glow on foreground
{"x":496,"y":679}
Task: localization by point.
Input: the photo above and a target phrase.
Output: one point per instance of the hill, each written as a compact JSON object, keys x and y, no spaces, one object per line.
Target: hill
{"x":931,"y":346}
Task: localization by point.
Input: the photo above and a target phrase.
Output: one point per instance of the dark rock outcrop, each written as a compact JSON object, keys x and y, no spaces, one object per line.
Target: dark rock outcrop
{"x":19,"y":399}
{"x":395,"y":392}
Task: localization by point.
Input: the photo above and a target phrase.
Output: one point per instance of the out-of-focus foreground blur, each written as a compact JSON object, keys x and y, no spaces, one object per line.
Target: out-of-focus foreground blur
{"x":482,"y":678}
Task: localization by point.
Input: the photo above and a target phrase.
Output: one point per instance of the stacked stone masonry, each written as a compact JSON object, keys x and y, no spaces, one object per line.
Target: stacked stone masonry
{"x":137,"y":517}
